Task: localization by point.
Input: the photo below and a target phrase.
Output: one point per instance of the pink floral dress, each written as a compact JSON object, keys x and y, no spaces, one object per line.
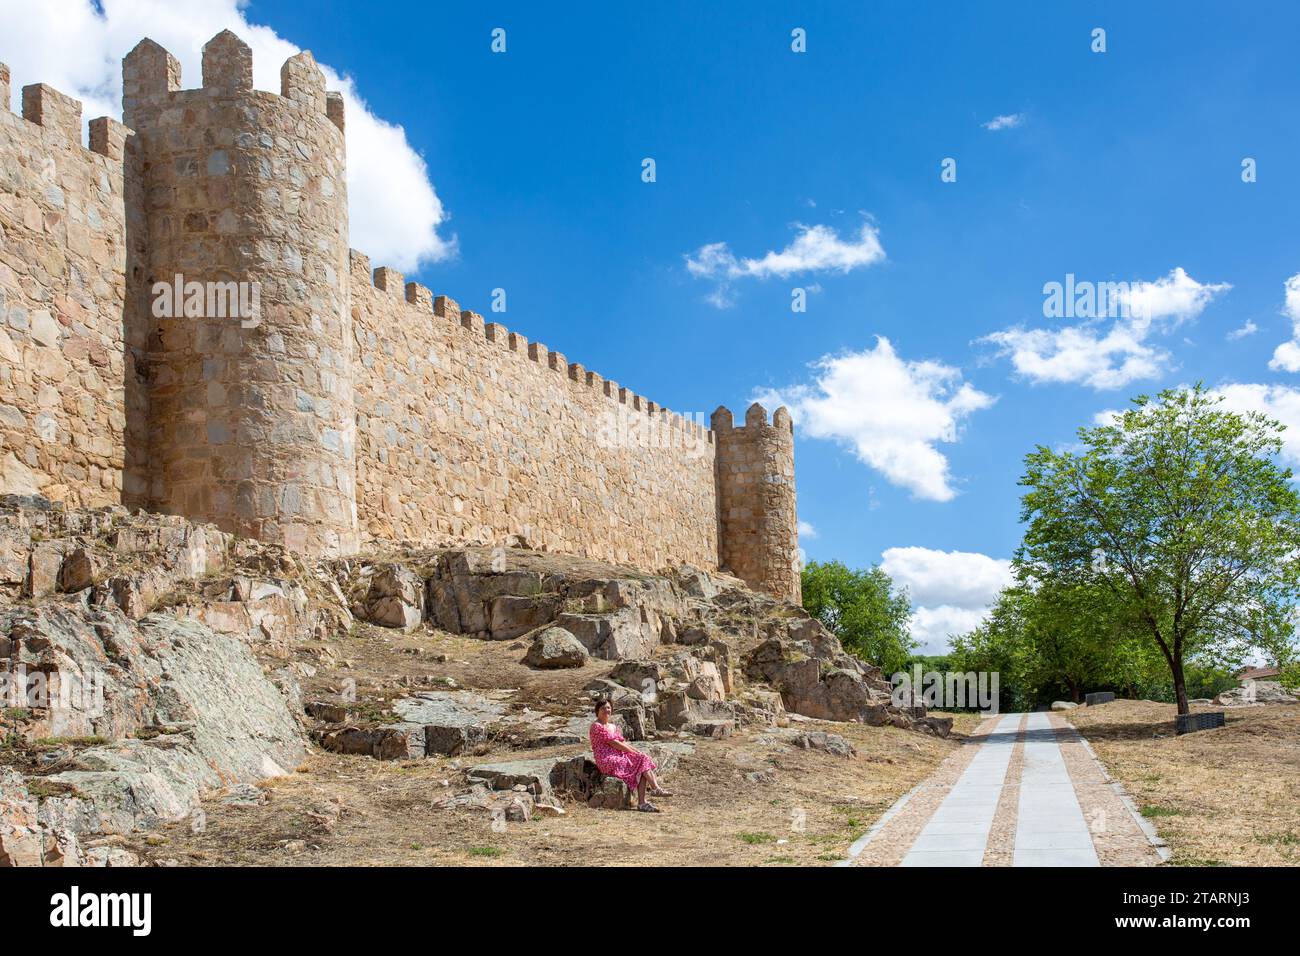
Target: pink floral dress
{"x":614,"y":762}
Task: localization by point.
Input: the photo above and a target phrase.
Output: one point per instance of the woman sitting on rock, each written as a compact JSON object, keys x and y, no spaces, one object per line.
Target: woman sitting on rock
{"x":616,"y":758}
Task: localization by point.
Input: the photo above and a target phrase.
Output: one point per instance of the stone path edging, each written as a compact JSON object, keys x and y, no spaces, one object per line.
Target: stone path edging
{"x":860,"y":844}
{"x":1157,"y":842}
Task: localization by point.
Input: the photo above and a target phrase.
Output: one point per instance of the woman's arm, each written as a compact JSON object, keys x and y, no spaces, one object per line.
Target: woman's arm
{"x":611,"y":741}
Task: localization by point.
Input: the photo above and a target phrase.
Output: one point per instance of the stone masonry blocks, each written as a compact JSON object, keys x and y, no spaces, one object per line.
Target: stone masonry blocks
{"x":227,"y":64}
{"x":57,"y":113}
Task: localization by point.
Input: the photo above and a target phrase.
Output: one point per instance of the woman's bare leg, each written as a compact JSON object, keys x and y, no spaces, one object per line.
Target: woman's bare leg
{"x":655,"y":785}
{"x":640,"y":791}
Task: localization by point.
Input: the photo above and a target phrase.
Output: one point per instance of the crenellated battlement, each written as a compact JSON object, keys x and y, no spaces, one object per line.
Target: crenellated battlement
{"x":57,"y":117}
{"x":150,"y":72}
{"x":424,"y":302}
{"x":356,"y":405}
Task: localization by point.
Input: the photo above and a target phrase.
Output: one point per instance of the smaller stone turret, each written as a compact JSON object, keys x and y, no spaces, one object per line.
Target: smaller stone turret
{"x":757,"y":528}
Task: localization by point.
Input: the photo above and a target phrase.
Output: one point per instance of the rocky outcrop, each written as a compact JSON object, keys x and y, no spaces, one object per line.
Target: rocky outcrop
{"x":193,"y":644}
{"x":181,"y":710}
{"x":814,"y":676}
{"x":1256,"y":692}
{"x":138,"y":713}
{"x":631,"y":619}
{"x":119,"y":557}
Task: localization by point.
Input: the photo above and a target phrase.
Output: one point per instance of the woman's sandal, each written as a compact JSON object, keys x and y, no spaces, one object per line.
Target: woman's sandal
{"x":661,"y":793}
{"x":648,"y":807}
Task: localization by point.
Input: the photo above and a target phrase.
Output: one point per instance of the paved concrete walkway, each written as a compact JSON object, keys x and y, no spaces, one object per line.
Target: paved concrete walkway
{"x":1050,"y":828}
{"x":1018,"y":800}
{"x":959,"y":830}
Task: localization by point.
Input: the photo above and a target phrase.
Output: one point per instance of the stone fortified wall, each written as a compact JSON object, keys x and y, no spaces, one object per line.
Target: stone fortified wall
{"x":354,"y":407}
{"x":62,"y":295}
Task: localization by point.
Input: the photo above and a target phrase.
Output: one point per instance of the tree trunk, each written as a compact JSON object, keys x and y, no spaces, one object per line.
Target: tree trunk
{"x":1180,"y":687}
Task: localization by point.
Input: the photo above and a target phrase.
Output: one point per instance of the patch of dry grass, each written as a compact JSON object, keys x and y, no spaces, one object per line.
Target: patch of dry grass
{"x":1219,"y":797}
{"x":814,"y":806}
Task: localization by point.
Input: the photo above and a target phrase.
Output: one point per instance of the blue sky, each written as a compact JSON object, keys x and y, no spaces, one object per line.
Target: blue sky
{"x":1120,"y":166}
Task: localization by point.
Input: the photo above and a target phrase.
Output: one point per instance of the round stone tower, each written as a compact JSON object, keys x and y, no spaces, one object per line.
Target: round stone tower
{"x":758,"y":535}
{"x":244,"y":272}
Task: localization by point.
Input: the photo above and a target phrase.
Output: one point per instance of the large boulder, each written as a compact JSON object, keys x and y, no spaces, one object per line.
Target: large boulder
{"x":400,"y":741}
{"x":631,"y":632}
{"x":678,"y":710}
{"x":640,"y":675}
{"x":78,"y":570}
{"x":1255,"y":692}
{"x":817,"y":679}
{"x":704,"y":682}
{"x":464,"y":586}
{"x":395,"y":598}
{"x":556,"y":648}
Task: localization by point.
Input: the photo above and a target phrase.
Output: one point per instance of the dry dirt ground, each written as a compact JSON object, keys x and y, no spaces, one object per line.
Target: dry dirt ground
{"x":1226,"y":797}
{"x":738,"y":801}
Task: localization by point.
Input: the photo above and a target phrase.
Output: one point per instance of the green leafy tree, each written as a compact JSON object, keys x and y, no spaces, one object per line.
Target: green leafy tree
{"x":1290,"y":676}
{"x":1180,"y":512}
{"x":997,"y":646}
{"x":863,"y":609}
{"x":1072,"y":638}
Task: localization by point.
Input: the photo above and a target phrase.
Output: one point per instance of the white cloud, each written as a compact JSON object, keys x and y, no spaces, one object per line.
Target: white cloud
{"x":890,"y":412}
{"x":1106,"y":353}
{"x":393,"y":208}
{"x":806,"y":530}
{"x":951,"y":591}
{"x":814,"y":249}
{"x":1009,"y":121}
{"x":1250,"y":328}
{"x":933,"y":626}
{"x":1081,"y":354}
{"x":1286,"y":357}
{"x":1170,"y":300}
{"x":965,"y":579}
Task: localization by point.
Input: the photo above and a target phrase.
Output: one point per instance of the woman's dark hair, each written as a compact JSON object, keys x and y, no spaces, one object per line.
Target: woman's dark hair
{"x":600,"y":702}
